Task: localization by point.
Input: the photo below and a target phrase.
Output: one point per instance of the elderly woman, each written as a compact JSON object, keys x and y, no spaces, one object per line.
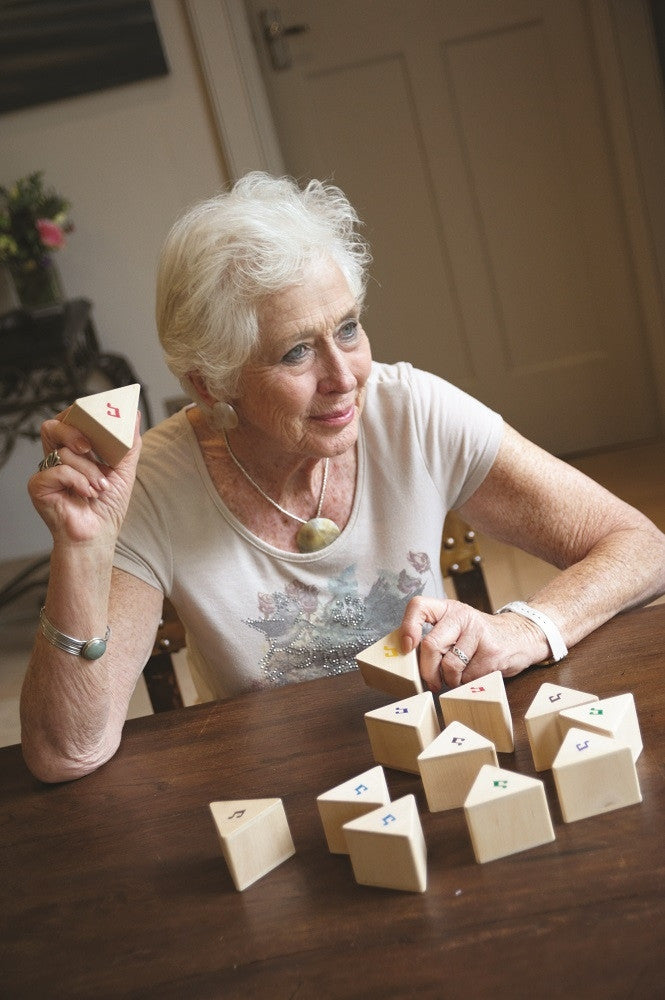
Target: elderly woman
{"x":293,"y":513}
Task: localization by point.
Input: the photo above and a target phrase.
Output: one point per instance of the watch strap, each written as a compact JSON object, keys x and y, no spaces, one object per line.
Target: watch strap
{"x":89,"y":649}
{"x":555,"y":641}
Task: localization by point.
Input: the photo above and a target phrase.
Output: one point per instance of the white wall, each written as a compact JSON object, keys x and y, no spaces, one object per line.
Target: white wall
{"x":129,"y":160}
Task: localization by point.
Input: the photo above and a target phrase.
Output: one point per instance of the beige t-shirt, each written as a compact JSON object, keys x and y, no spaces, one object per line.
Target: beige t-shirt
{"x":257,"y":616}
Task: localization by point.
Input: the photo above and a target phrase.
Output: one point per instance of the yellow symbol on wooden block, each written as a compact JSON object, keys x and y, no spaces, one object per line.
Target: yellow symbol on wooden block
{"x":382,"y":666}
{"x":483,"y":708}
{"x":347,"y":801}
{"x":387,"y":848}
{"x":254,"y":837}
{"x":108,"y":420}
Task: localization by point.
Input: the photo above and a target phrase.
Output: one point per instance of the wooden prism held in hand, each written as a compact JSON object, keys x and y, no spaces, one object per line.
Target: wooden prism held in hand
{"x":108,"y":420}
{"x":254,"y":836}
{"x":384,"y":667}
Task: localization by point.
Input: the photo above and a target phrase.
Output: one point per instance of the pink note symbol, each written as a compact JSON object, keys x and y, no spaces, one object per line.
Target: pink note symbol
{"x":112,"y":411}
{"x":476,"y":690}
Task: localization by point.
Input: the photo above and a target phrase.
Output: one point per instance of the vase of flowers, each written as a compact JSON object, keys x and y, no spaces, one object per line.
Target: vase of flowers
{"x":34,"y":225}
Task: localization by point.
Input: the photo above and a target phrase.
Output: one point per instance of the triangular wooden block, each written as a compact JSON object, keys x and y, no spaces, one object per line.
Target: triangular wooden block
{"x":107,"y":419}
{"x":615,"y":717}
{"x":383,"y":666}
{"x":400,"y":731}
{"x":450,"y":764}
{"x":594,"y":774}
{"x":482,"y":705}
{"x":254,"y":836}
{"x":506,"y":812}
{"x":349,"y":800}
{"x":387,"y":847}
{"x":541,"y":720}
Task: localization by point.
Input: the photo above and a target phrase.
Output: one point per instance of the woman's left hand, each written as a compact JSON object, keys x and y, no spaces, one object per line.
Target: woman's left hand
{"x":484,"y":643}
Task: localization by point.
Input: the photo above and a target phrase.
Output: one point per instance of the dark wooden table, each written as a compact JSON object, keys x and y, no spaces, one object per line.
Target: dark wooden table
{"x":114,"y":886}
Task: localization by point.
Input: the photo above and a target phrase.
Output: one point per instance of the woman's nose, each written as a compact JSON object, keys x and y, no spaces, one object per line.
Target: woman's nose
{"x":337,"y":373}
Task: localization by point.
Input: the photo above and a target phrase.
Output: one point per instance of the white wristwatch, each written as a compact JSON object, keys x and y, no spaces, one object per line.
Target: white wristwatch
{"x":557,"y":646}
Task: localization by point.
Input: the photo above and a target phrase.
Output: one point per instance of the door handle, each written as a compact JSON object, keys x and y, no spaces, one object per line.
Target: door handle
{"x":276,"y":37}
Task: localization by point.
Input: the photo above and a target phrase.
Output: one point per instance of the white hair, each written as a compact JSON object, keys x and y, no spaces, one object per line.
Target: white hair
{"x":225,"y":255}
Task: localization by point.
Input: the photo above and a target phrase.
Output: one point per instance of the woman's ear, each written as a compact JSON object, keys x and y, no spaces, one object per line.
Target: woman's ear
{"x":196,"y":386}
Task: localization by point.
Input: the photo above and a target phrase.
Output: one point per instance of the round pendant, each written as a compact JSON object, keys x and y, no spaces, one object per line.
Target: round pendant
{"x":316,"y":534}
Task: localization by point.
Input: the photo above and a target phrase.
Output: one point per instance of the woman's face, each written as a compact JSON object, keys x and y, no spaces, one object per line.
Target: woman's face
{"x":302,"y":393}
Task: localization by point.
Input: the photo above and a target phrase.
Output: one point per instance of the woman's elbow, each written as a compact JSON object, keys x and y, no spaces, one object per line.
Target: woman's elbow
{"x":52,"y":766}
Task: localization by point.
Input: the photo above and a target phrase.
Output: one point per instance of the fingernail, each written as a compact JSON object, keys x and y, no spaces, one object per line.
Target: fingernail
{"x":103,"y":483}
{"x":407,"y":644}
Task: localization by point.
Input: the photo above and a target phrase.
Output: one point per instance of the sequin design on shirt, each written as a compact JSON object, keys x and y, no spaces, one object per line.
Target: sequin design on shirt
{"x":312,"y":632}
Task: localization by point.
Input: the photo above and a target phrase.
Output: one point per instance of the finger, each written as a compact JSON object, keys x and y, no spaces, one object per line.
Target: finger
{"x":46,"y":484}
{"x":419,"y":611}
{"x":436,"y":662}
{"x":55,"y":435}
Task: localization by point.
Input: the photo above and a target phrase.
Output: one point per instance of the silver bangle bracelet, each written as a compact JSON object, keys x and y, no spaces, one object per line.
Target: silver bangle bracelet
{"x":555,"y":641}
{"x":89,"y":649}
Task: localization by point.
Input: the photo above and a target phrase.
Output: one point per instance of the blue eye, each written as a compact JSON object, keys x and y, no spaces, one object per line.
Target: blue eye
{"x":349,"y":331}
{"x":296,"y":354}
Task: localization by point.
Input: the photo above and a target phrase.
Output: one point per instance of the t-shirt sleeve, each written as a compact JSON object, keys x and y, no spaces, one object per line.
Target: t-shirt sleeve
{"x":459,"y":435}
{"x":142,"y":548}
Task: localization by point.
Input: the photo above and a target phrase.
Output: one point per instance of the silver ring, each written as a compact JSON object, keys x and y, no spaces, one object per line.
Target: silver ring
{"x":51,"y":461}
{"x":460,"y":654}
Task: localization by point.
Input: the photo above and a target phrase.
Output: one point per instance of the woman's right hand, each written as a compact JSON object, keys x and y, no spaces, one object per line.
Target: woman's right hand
{"x":81,"y":500}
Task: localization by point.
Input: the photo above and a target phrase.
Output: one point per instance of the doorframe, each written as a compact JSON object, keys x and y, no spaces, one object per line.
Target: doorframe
{"x":621,"y":34}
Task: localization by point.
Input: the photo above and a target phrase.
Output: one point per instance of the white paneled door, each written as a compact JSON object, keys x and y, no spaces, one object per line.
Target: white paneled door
{"x":471,"y":136}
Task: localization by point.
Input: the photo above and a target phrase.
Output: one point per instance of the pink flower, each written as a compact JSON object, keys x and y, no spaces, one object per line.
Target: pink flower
{"x":419,"y":561}
{"x":50,"y":234}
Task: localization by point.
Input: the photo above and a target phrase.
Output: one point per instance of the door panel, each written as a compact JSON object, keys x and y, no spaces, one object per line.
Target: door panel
{"x":471,"y":138}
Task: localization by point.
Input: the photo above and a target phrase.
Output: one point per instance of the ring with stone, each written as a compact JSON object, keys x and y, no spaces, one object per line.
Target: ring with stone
{"x":50,"y":461}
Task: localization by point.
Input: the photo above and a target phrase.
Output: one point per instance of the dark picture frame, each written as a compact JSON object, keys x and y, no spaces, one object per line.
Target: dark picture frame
{"x":54,"y":49}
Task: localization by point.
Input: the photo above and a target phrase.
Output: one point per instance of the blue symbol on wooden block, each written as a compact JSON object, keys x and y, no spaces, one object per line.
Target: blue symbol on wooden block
{"x":401,"y":710}
{"x":582,"y":746}
{"x":359,"y":789}
{"x":555,"y":697}
{"x":458,"y":740}
{"x":388,"y":818}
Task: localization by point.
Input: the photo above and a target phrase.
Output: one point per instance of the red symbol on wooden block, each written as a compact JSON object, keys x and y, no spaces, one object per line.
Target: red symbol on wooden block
{"x":476,"y":690}
{"x":112,"y":411}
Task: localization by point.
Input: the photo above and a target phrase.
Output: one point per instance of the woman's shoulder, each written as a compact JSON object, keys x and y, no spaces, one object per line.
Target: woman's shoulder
{"x":167,"y":444}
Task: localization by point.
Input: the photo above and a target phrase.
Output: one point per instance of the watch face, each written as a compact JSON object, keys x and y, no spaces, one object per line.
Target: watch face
{"x":94,"y":649}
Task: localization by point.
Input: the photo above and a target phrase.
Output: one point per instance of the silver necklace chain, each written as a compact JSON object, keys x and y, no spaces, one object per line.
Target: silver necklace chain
{"x":270,"y":500}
